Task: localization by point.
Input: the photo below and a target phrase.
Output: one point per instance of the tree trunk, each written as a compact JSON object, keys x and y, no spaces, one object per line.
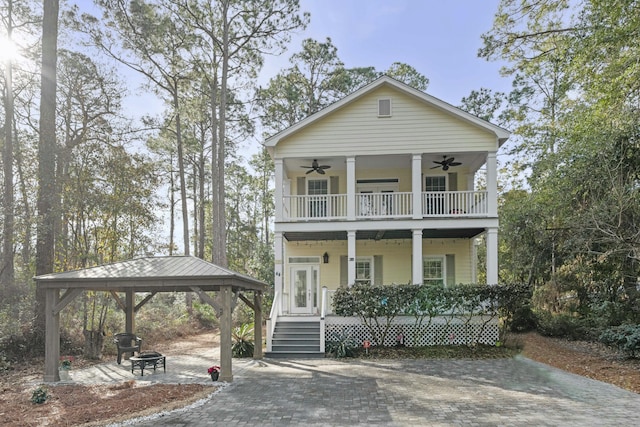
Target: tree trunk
{"x":219,"y":221}
{"x":93,"y":344}
{"x":172,"y":207}
{"x":46,"y":155}
{"x":201,"y":191}
{"x":7,"y":273}
{"x":181,"y":173}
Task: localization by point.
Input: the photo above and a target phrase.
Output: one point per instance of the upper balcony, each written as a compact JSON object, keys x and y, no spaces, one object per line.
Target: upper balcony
{"x":390,"y":187}
{"x":397,"y":205}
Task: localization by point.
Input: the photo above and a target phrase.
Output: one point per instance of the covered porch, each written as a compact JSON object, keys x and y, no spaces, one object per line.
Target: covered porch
{"x":150,"y":276}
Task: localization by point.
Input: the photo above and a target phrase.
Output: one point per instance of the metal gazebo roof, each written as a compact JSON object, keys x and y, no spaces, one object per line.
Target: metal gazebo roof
{"x":152,"y":274}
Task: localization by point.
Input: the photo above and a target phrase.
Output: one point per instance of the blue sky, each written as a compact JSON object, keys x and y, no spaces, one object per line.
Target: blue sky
{"x":440,"y":38}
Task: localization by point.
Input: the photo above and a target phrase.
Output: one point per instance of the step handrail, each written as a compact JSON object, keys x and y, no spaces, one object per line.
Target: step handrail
{"x":273,"y":318}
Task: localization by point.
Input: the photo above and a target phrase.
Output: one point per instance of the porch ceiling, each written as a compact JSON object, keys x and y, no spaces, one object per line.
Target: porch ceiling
{"x":471,"y":161}
{"x":427,"y":233}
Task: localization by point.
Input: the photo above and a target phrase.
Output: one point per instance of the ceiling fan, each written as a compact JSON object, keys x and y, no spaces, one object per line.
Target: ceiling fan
{"x":446,"y":163}
{"x":315,"y":167}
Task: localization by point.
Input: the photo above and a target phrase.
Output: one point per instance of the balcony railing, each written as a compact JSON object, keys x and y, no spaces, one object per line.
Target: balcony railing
{"x":450,"y":203}
{"x":330,"y":206}
{"x":385,"y":205}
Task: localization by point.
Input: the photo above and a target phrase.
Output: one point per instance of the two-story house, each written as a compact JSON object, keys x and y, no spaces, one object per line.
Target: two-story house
{"x":379,"y":188}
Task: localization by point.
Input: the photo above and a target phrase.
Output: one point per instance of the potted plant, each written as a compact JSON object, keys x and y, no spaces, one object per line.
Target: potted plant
{"x":214,"y":371}
{"x":65,"y":367}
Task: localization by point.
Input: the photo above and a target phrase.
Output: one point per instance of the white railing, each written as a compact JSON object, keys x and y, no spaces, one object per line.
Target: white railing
{"x":323,"y":313}
{"x":275,"y":312}
{"x":329,"y":306}
{"x":329,"y":206}
{"x":454,"y":203}
{"x":384,"y":205}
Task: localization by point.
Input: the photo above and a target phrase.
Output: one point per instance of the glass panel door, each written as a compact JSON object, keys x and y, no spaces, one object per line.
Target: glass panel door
{"x":304,"y":289}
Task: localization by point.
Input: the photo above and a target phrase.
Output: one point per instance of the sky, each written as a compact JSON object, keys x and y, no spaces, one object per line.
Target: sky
{"x":439,"y":38}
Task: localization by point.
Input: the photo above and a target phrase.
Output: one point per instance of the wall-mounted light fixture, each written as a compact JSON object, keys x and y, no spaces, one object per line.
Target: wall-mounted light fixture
{"x":325,"y":258}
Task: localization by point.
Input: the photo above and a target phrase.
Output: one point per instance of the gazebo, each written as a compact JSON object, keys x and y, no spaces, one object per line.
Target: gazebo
{"x":151,"y":275}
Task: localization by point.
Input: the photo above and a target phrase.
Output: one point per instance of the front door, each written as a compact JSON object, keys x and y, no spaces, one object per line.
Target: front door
{"x":304,"y":289}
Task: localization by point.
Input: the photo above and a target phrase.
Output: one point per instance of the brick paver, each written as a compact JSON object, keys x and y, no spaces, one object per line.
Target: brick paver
{"x":499,"y":392}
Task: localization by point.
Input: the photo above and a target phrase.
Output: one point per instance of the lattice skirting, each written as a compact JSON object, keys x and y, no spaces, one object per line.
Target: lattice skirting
{"x":445,"y":330}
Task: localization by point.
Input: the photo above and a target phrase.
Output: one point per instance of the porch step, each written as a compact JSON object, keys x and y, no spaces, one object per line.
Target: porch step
{"x":296,"y":340}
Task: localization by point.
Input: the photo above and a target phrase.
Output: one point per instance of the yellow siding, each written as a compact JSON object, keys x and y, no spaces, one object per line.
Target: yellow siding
{"x":396,"y":258}
{"x":403,"y":176}
{"x":414,"y":127}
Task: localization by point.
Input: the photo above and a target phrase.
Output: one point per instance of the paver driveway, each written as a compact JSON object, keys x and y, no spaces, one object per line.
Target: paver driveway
{"x":504,"y":392}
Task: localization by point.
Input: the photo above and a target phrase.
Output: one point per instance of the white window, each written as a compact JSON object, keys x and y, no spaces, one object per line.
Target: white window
{"x":317,"y":190}
{"x":435,"y":183}
{"x":364,"y":270}
{"x":433,"y":270}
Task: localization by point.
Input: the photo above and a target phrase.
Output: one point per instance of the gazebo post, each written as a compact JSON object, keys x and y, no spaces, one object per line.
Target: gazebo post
{"x":226,"y":373}
{"x":257,"y":325}
{"x":52,"y":337}
{"x":129,"y":311}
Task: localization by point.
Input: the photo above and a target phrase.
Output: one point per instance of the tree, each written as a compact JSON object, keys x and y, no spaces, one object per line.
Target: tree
{"x":408,"y":75}
{"x":237,"y":34}
{"x":316,"y":79}
{"x":154,"y":45}
{"x":7,"y":273}
{"x":574,"y":106}
{"x":45,"y":245}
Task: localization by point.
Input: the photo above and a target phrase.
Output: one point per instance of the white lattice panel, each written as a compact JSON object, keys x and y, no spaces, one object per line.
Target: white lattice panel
{"x":441,"y":330}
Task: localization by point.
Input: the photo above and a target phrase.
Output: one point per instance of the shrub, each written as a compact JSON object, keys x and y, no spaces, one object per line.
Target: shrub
{"x":242,"y":341}
{"x":205,"y":315}
{"x":342,"y":344}
{"x":625,"y":338}
{"x":39,"y":395}
{"x":523,"y":319}
{"x":564,"y":325}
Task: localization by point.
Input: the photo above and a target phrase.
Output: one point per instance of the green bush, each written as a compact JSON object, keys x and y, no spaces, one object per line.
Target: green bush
{"x":523,"y":319}
{"x":625,"y":338}
{"x":39,"y":395}
{"x":205,"y":315}
{"x":242,"y":341}
{"x":564,"y":325}
{"x":378,"y":305}
{"x":341,"y":344}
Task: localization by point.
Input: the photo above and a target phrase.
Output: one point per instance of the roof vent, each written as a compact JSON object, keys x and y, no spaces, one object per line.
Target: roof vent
{"x":384,"y":107}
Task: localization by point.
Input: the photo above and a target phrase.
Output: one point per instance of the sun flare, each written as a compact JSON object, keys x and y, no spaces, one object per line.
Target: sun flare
{"x":8,"y":49}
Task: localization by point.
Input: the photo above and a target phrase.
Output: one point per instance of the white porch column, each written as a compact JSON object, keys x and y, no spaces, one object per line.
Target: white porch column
{"x":416,"y":185}
{"x":492,"y":256}
{"x":351,"y":189}
{"x":351,"y":258}
{"x":279,"y":172}
{"x":473,"y":252}
{"x":416,"y":265}
{"x":278,"y":250}
{"x":492,"y":184}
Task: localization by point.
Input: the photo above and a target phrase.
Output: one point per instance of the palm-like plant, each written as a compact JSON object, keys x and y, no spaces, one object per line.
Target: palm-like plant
{"x":242,"y":340}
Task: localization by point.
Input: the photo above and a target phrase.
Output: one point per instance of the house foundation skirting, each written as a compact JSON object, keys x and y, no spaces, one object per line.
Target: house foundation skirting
{"x":443,"y":330}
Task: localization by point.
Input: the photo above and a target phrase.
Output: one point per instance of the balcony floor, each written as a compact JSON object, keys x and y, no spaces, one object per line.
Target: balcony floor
{"x":456,"y":233}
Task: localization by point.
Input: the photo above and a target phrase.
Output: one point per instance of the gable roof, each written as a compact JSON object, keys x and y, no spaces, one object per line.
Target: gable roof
{"x":157,"y":273}
{"x":501,"y":134}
